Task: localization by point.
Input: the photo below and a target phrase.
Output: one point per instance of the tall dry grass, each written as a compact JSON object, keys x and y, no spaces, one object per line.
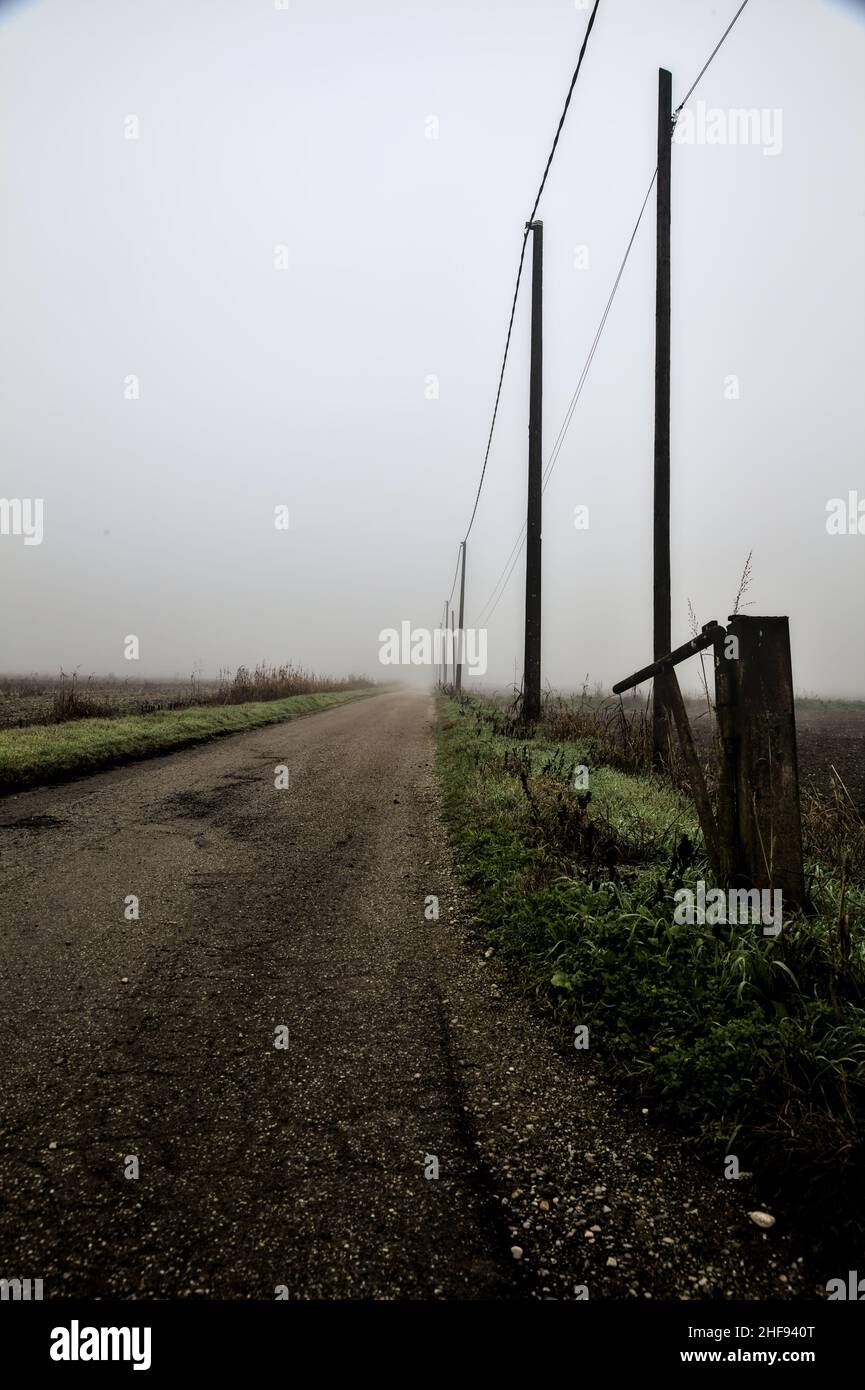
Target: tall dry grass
{"x":98,"y":698}
{"x":276,"y":683}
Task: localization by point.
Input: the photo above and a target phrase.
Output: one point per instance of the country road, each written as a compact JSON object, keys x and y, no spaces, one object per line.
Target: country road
{"x":304,"y":1167}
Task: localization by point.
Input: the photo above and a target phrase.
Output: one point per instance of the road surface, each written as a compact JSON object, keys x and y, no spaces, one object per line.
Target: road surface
{"x":156,"y":1142}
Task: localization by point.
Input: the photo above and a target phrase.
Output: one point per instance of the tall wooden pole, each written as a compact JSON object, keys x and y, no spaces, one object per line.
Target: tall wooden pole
{"x":662,"y":642}
{"x":445,"y":643}
{"x":453,"y":649}
{"x":441,"y":671}
{"x":460,"y":637}
{"x":532,"y":661}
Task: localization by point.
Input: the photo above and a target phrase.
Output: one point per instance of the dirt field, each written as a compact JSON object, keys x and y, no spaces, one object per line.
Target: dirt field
{"x":40,"y":699}
{"x":832,"y":735}
{"x":27,"y":699}
{"x":829,"y":733}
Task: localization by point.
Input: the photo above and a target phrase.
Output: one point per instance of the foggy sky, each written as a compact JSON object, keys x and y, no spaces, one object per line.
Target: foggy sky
{"x":307,"y":128}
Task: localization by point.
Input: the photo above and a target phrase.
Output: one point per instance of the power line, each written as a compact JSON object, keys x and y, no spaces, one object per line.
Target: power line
{"x":456,"y":572}
{"x":522,"y":260}
{"x":501,"y":379}
{"x":708,"y":61}
{"x":565,"y":107}
{"x":520,"y":542}
{"x":511,"y":562}
{"x":560,"y":439}
{"x":484,"y":617}
{"x":557,"y":447}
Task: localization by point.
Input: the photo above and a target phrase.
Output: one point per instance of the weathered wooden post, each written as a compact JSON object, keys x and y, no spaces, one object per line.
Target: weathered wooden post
{"x":460,"y":631}
{"x":661,"y":629}
{"x":708,"y":825}
{"x":727,"y":758}
{"x":767,"y":773}
{"x":534,"y":504}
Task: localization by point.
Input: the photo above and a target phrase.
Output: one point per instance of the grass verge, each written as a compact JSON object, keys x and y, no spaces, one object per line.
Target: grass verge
{"x":752,"y":1045}
{"x":54,"y":752}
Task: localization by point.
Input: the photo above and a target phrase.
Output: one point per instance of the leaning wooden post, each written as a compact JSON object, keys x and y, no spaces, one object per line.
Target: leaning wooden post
{"x":705,"y":815}
{"x":767,"y":771}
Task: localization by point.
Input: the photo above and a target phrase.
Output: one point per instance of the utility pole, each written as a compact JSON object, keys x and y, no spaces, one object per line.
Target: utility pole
{"x":461,"y":638}
{"x":441,"y":667}
{"x":662,"y":642}
{"x":532,"y":660}
{"x":453,"y":652}
{"x":445,"y":643}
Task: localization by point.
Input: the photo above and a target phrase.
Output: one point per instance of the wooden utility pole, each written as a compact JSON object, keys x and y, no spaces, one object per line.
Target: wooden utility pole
{"x":532,"y":660}
{"x":441,"y":665}
{"x":445,"y":643}
{"x":453,"y":650}
{"x":661,"y":551}
{"x":461,"y":638}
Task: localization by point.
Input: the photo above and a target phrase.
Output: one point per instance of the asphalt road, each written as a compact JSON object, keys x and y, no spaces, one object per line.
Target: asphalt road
{"x":297,"y":915}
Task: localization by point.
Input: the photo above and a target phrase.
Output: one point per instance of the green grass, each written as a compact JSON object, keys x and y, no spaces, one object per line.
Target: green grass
{"x":52,"y":752}
{"x":752,"y":1045}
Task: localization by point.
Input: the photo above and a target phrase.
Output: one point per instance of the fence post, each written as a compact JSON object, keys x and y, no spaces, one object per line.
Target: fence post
{"x":767,"y":772}
{"x":727,"y":760}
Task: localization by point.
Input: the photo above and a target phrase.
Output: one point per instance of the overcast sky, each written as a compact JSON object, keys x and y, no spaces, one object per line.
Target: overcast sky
{"x":308,"y":128}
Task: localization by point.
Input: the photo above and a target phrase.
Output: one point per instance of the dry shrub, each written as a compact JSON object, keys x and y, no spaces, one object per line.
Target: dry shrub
{"x":832,"y":828}
{"x":620,"y":735}
{"x":73,"y":700}
{"x":276,"y":683}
